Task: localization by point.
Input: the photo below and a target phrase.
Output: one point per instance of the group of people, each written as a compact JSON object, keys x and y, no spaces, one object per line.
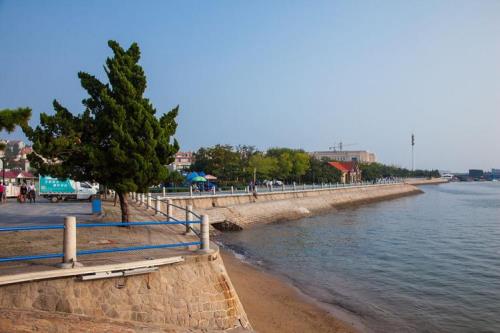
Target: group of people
{"x":26,"y":192}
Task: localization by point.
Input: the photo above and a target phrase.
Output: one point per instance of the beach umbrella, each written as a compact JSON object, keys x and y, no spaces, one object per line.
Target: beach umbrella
{"x":210,"y":177}
{"x":198,"y":179}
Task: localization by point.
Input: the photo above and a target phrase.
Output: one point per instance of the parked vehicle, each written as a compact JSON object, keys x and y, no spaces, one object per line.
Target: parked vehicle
{"x":274,"y":182}
{"x":56,"y":189}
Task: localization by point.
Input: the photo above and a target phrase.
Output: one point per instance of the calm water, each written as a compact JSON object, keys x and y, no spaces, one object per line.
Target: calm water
{"x":425,"y":263}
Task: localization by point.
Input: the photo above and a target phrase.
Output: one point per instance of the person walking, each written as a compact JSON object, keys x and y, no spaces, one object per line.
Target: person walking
{"x":32,"y":193}
{"x":3,"y":188}
{"x":24,"y":191}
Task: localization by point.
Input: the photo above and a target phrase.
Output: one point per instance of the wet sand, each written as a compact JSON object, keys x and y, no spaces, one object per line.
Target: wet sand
{"x":273,"y":306}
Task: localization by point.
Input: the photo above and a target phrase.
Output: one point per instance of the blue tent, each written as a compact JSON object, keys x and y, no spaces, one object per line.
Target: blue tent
{"x":201,"y":173}
{"x":192,"y":175}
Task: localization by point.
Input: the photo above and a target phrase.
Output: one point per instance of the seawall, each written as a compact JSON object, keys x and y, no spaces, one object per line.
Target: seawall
{"x":426,"y":181}
{"x":236,"y":212}
{"x":194,"y":294}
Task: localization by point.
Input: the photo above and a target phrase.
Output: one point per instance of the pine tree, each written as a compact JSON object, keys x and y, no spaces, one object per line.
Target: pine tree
{"x":117,"y":141}
{"x":9,"y":119}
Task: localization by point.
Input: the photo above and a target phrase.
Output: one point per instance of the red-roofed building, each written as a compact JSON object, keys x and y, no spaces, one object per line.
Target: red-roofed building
{"x":350,"y":171}
{"x":17,"y":177}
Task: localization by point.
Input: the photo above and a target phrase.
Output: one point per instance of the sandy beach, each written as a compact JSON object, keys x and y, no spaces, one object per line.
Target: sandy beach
{"x":273,"y":306}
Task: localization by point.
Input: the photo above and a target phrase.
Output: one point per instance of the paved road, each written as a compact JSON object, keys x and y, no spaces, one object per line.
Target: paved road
{"x":43,"y":212}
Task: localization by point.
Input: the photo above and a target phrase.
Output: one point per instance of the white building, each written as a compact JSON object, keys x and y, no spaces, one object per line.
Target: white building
{"x":361,"y":156}
{"x":183,"y":161}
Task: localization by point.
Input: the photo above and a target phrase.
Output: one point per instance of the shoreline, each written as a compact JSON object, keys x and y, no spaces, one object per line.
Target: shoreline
{"x":275,"y":305}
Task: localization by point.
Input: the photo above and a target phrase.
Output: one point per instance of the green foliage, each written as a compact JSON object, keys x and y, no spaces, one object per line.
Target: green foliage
{"x":221,"y":161}
{"x":301,"y":163}
{"x":375,"y":171}
{"x":9,"y":119}
{"x":320,"y":172}
{"x":265,"y":166}
{"x":292,"y":163}
{"x":236,"y":166}
{"x":175,"y":178}
{"x":117,"y":141}
{"x":232,"y":165}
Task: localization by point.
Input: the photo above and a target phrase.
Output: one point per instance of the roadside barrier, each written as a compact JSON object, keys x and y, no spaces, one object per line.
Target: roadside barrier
{"x":70,"y":226}
{"x":293,"y":187}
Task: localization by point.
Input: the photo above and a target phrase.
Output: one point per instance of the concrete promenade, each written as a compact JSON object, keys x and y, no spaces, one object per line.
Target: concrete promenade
{"x":161,"y":290}
{"x":43,"y":212}
{"x":50,"y":241}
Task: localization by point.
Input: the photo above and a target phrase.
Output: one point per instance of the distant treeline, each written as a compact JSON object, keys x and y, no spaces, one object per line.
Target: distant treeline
{"x":237,"y":164}
{"x":374,"y":171}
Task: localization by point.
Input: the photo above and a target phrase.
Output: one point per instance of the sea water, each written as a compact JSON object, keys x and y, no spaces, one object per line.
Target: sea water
{"x":423,"y":263}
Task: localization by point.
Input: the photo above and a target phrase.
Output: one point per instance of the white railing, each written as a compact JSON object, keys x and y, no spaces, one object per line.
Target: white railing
{"x":270,"y":189}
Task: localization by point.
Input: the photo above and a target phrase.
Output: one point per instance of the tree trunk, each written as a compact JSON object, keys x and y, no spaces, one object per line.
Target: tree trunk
{"x":123,"y":206}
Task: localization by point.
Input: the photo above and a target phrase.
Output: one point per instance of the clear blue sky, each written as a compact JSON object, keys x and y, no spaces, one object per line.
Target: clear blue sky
{"x":302,"y":74}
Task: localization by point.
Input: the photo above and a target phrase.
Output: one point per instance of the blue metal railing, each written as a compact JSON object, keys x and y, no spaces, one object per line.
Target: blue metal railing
{"x":98,"y":251}
{"x":91,"y":225}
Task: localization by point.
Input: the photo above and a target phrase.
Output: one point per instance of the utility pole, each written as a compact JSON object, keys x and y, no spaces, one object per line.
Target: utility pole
{"x":412,"y":152}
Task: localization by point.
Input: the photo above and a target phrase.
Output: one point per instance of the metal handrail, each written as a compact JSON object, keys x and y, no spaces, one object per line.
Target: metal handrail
{"x":164,"y":199}
{"x":109,"y":250}
{"x":93,"y":225}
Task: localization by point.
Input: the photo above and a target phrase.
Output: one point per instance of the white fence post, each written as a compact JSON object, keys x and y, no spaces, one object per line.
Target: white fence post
{"x":189,"y":218}
{"x":69,"y":243}
{"x":169,"y":209}
{"x":294,"y":186}
{"x":148,"y":202}
{"x":163,"y":191}
{"x":158,"y":206}
{"x":205,"y":233}
{"x":232,"y":189}
{"x":213,"y":190}
{"x":190,"y":191}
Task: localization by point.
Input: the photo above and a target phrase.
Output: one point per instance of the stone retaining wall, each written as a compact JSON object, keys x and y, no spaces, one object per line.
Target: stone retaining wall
{"x":240,"y":212}
{"x":196,"y":294}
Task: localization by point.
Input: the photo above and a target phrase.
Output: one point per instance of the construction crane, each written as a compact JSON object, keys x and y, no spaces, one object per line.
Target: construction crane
{"x":339,"y":146}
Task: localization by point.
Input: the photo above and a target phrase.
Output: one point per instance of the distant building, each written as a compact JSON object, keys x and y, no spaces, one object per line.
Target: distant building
{"x":350,"y":171}
{"x":361,"y":156}
{"x":476,"y":173}
{"x":183,"y":161}
{"x":15,"y":154}
{"x":17,"y":177}
{"x":495,"y":173}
